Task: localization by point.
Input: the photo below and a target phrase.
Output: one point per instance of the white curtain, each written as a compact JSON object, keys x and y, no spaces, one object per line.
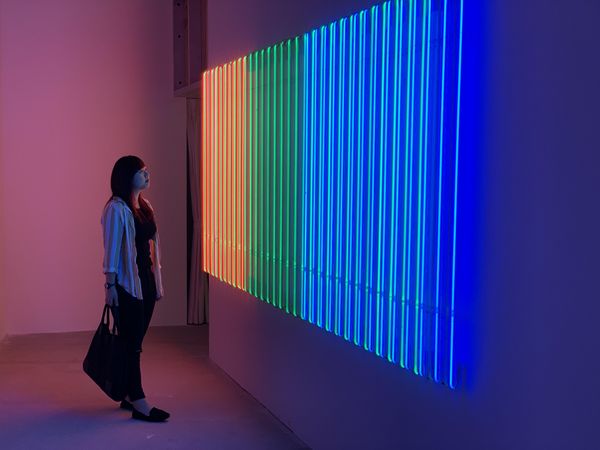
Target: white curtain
{"x":197,"y":312}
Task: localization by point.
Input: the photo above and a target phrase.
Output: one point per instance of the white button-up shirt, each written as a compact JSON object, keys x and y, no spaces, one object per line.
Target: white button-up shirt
{"x":120,"y":253}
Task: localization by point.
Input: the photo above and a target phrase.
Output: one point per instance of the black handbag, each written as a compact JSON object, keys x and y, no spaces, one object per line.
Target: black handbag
{"x":106,"y":362}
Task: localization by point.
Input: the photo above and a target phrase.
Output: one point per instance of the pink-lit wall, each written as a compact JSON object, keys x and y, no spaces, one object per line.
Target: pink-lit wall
{"x":532,"y":105}
{"x":81,"y":84}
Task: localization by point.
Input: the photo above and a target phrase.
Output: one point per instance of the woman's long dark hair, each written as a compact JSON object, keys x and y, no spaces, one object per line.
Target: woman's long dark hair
{"x":121,"y":183}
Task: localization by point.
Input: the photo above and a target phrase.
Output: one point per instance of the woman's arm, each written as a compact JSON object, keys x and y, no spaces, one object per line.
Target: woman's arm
{"x":110,"y":277}
{"x":155,"y":256}
{"x":112,"y":232}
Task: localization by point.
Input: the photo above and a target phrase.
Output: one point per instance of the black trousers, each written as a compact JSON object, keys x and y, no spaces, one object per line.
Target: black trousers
{"x":132,"y":317}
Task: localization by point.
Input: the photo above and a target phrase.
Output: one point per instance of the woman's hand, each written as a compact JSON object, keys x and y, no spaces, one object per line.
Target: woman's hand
{"x":111,"y":296}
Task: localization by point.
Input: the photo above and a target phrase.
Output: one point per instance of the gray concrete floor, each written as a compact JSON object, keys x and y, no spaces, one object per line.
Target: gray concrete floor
{"x":48,"y":402}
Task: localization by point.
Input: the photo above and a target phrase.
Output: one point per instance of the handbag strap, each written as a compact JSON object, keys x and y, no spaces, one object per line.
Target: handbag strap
{"x":106,"y":313}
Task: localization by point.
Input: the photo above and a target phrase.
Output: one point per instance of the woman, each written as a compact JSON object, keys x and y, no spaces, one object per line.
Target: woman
{"x":132,"y":268}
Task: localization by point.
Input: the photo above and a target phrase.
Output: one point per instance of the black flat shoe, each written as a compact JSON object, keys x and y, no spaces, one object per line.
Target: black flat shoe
{"x":126,"y":405}
{"x":156,"y":415}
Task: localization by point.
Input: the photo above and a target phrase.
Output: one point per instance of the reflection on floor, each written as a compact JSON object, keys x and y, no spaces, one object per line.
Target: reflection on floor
{"x":47,"y":401}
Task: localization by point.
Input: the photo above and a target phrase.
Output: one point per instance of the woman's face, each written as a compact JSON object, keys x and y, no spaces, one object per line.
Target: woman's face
{"x":141,"y":179}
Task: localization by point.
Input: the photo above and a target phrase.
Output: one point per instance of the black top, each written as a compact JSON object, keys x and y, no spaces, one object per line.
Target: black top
{"x":145,"y":228}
